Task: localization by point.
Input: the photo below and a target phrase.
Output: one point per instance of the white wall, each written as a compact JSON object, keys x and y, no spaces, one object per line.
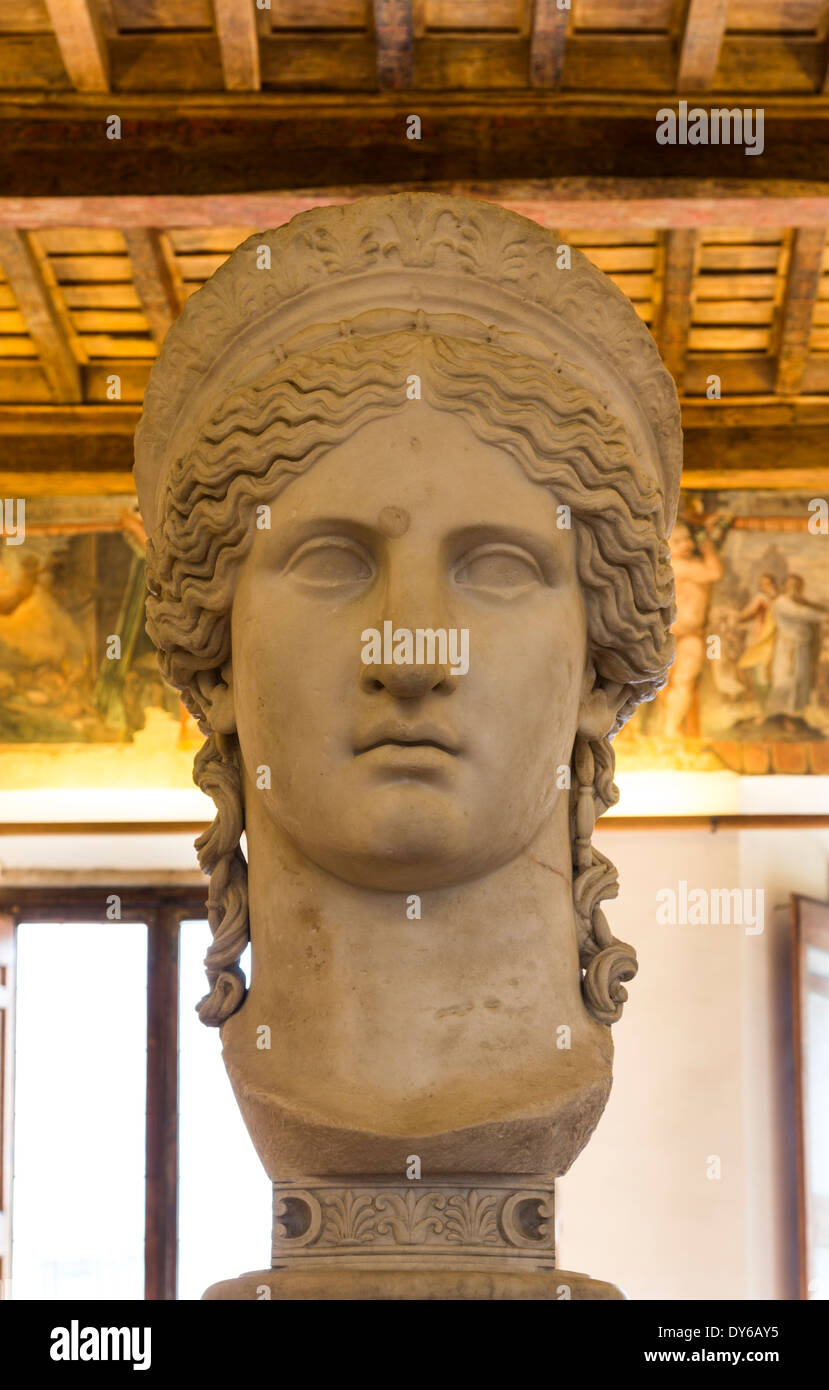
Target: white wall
{"x":703,"y":1060}
{"x":703,"y":1067}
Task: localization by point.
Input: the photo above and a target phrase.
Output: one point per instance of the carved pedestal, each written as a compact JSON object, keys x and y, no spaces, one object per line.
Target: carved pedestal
{"x":478,"y":1237}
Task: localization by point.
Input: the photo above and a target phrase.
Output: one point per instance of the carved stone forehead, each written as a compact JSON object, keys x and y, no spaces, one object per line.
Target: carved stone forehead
{"x":405,"y":261}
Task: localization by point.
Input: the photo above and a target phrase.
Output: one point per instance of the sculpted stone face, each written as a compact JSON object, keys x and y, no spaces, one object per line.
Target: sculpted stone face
{"x":409,"y":776}
{"x":433,"y":974}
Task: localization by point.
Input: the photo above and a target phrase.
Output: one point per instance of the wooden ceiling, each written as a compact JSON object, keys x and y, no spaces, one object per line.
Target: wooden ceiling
{"x":751,"y":46}
{"x":234,"y":114}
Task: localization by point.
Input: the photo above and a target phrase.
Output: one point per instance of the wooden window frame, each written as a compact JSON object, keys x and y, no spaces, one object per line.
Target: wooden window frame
{"x":809,"y":919}
{"x":162,"y":910}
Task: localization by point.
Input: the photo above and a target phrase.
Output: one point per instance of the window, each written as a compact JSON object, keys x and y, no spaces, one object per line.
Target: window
{"x":125,"y":1128}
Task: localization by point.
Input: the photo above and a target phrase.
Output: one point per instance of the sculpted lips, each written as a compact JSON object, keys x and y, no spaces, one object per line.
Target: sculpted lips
{"x":399,"y":735}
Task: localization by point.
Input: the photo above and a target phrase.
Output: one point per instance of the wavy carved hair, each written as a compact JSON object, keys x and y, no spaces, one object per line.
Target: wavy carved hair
{"x":565,"y":438}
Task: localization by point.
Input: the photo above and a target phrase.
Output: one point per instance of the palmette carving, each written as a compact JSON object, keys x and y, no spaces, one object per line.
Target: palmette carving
{"x":419,"y":232}
{"x":494,"y":1218}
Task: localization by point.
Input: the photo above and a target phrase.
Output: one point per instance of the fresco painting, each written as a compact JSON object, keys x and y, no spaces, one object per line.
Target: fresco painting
{"x":77,"y":670}
{"x":749,"y":689}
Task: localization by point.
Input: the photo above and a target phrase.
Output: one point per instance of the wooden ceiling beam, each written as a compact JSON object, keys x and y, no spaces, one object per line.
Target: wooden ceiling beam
{"x":254,"y":142}
{"x":699,"y":51}
{"x":609,"y":203}
{"x":802,"y":284}
{"x":156,"y":278}
{"x":548,"y":42}
{"x":394,"y":39}
{"x":681,"y":253}
{"x":79,"y":30}
{"x":33,"y":288}
{"x":114,"y":422}
{"x":60,"y":449}
{"x":238,"y":44}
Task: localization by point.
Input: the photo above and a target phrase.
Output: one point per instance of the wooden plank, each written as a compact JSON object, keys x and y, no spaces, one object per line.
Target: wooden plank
{"x":71,"y":445}
{"x":78,"y":421}
{"x":548,"y":42}
{"x":740,"y":373}
{"x":740,"y":236}
{"x":166,"y":62}
{"x":323,"y":63}
{"x":759,"y":412}
{"x":735,"y":286}
{"x":162,"y":14}
{"x":200,"y":266}
{"x":802,"y":283}
{"x":467,"y":63}
{"x":32,"y":60}
{"x":239,"y":44}
{"x":592,"y":203}
{"x":17,"y":347}
{"x":23,"y":381}
{"x":620,"y":62}
{"x":102,"y":296}
{"x":7,"y":1002}
{"x":81,"y":241}
{"x":764,"y":256}
{"x":585,"y":237}
{"x":702,"y":37}
{"x":633,"y":285}
{"x":753,"y":65}
{"x":200,"y":240}
{"x":319,"y":14}
{"x":758,"y":449}
{"x":394,"y":40}
{"x":108,"y":321}
{"x":192,"y":146}
{"x":34,"y":289}
{"x":110,"y":348}
{"x":653,"y":15}
{"x":89,"y":269}
{"x":622,"y":258}
{"x":82,"y":42}
{"x":44,"y":484}
{"x":729,"y":339}
{"x":733,"y":311}
{"x":162,"y":1105}
{"x":681,"y":254}
{"x":472,"y":14}
{"x":789,"y":16}
{"x":156,"y":278}
{"x":132,"y":375}
{"x":24,"y":17}
{"x":816,"y":374}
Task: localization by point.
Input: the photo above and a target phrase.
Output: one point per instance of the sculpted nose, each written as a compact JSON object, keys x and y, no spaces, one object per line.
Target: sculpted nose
{"x":409,"y":681}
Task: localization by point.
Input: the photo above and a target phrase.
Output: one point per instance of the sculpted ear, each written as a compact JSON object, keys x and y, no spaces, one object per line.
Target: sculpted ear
{"x":600,"y":703}
{"x":216,"y":693}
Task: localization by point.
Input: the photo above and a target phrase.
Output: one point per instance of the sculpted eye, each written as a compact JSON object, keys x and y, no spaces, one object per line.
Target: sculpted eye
{"x":499,"y":569}
{"x":331,"y":563}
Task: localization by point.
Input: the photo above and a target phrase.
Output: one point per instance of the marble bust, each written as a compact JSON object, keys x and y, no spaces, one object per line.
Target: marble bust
{"x":412,"y":414}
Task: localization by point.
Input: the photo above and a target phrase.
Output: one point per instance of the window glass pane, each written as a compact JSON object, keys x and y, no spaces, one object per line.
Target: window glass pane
{"x":817,"y":1108}
{"x":80,"y":1098}
{"x":224,"y":1219}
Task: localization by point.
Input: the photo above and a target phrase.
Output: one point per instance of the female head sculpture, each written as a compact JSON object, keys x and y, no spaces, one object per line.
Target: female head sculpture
{"x":311,"y":332}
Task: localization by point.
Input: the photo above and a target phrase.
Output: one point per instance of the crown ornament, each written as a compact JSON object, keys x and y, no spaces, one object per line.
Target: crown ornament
{"x":422,"y":261}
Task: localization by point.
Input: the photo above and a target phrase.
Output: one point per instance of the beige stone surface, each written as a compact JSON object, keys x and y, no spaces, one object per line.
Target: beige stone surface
{"x":401,"y":1284}
{"x":416,"y":414}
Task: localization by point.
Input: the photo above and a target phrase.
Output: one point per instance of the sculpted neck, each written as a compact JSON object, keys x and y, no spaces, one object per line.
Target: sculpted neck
{"x":413,"y":1025}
